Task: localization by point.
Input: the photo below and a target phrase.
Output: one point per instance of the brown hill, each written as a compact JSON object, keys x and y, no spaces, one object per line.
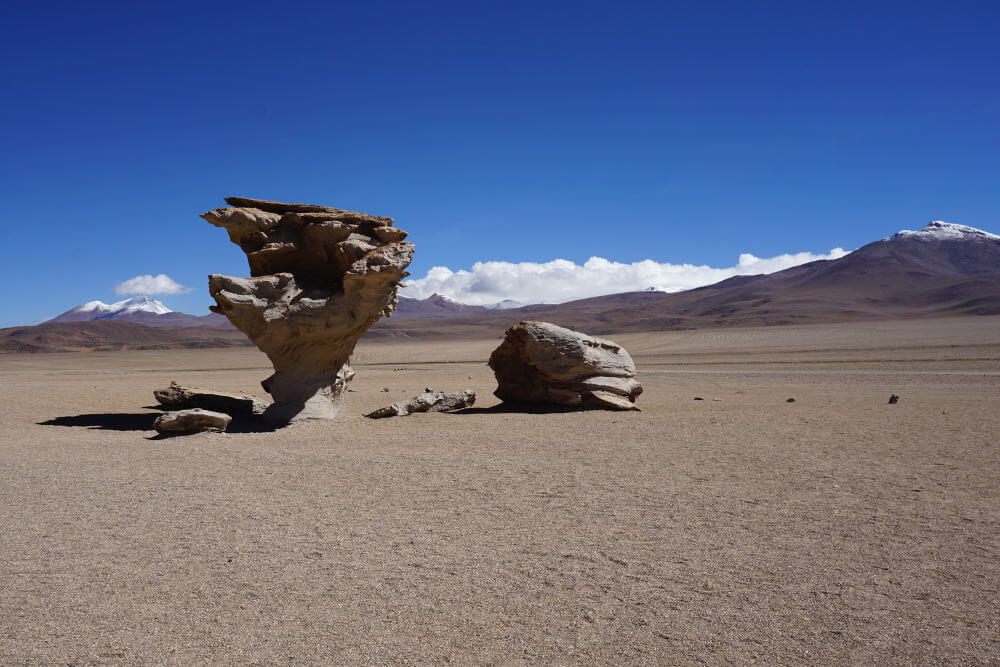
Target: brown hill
{"x":113,"y":335}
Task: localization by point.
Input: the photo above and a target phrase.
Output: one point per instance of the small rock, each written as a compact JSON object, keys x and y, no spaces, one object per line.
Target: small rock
{"x":176,"y":396}
{"x":698,"y":398}
{"x":192,"y":421}
{"x":450,"y":402}
{"x":426,"y":389}
{"x":384,"y":389}
{"x":791,"y":400}
{"x":893,"y":399}
{"x":431,"y":401}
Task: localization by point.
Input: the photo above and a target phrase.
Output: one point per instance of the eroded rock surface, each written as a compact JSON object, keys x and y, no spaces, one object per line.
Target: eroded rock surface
{"x":176,"y":396}
{"x":319,"y":277}
{"x":192,"y":421}
{"x":429,"y":401}
{"x":540,"y":362}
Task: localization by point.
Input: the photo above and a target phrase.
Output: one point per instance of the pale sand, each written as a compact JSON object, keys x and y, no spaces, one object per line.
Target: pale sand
{"x":836,"y":529}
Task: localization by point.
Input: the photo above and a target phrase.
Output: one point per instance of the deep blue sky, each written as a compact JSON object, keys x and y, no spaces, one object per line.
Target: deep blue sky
{"x":682,"y":132}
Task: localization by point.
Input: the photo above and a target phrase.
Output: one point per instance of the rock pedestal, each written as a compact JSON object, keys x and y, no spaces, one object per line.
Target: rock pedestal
{"x":543,"y":363}
{"x":320,"y":276}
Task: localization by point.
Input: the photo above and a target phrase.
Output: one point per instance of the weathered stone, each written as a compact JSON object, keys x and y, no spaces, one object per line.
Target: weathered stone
{"x":192,"y":421}
{"x":176,"y":396}
{"x":320,"y":276}
{"x":540,"y":362}
{"x":458,"y":401}
{"x":429,"y":401}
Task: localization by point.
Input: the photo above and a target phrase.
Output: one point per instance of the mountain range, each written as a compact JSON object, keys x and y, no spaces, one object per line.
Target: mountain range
{"x":940,"y":270}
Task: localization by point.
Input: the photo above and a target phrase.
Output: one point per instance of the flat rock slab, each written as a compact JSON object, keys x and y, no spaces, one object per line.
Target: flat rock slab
{"x":237,"y":405}
{"x":429,"y":401}
{"x":194,"y":420}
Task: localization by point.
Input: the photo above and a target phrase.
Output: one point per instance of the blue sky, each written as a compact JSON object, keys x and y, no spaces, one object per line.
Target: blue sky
{"x":514,"y":131}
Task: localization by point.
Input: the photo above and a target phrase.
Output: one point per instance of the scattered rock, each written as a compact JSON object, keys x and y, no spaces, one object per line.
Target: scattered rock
{"x":176,"y":396}
{"x":893,"y":399}
{"x":540,"y":362}
{"x":429,"y":401}
{"x":192,"y":421}
{"x":791,"y":400}
{"x":320,"y":276}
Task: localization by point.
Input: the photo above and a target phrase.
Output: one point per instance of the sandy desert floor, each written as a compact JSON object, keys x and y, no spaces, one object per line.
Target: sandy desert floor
{"x":835,"y":529}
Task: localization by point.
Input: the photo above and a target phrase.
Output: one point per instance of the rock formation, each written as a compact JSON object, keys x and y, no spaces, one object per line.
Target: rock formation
{"x":320,"y":277}
{"x":192,"y":421}
{"x":429,"y":401}
{"x":540,"y":362}
{"x":236,"y":405}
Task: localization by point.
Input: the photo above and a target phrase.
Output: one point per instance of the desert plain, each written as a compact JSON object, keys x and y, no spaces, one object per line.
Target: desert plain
{"x":738,"y":528}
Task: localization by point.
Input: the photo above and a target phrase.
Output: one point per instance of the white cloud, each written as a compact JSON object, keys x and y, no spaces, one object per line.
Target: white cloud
{"x":561,"y":280}
{"x":161,"y":284}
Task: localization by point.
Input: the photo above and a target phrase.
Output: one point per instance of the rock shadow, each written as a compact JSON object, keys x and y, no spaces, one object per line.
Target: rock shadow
{"x":143,"y":421}
{"x":106,"y":421}
{"x":521,"y":408}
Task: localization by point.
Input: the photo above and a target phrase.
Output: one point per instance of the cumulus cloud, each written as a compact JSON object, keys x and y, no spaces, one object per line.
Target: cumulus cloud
{"x":561,"y":280}
{"x":161,"y":284}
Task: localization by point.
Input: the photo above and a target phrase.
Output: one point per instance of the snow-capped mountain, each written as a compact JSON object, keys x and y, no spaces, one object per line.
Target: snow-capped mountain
{"x":140,"y":309}
{"x":98,"y":310}
{"x":506,"y":304}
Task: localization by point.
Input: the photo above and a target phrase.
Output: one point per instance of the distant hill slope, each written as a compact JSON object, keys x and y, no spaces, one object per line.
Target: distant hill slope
{"x":433,"y":306}
{"x":113,"y":335}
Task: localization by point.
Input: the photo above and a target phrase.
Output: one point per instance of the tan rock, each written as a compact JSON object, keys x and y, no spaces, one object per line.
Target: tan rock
{"x":320,"y":276}
{"x":429,"y":401}
{"x":540,"y":362}
{"x":192,"y":421}
{"x":176,"y":396}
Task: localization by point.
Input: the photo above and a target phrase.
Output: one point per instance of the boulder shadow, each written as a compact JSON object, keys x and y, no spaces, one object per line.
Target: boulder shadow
{"x":106,"y":421}
{"x":521,"y":408}
{"x":143,"y":421}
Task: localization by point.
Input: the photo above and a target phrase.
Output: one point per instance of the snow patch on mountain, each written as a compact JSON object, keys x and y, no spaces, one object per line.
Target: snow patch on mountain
{"x":939,"y":230}
{"x":506,"y":304}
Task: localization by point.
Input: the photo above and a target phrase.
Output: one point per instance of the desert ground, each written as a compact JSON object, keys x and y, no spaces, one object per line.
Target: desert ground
{"x":744,"y":528}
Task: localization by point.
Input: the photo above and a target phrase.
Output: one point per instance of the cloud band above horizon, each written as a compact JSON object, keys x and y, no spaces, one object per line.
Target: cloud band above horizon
{"x":561,"y":280}
{"x":149,"y":284}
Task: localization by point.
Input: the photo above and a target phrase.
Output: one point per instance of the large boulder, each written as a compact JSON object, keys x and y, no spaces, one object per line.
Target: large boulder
{"x":192,"y":421}
{"x":540,"y":362}
{"x":237,"y":405}
{"x":319,"y":277}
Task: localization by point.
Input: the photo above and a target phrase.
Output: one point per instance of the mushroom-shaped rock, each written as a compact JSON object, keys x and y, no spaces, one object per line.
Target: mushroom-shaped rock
{"x":540,"y":362}
{"x":320,"y":276}
{"x":192,"y":421}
